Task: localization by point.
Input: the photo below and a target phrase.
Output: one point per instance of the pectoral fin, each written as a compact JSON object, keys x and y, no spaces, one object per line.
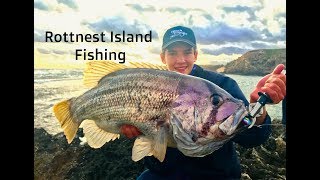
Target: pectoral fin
{"x":96,"y":137}
{"x":142,"y":147}
{"x":160,"y":147}
{"x":146,"y":147}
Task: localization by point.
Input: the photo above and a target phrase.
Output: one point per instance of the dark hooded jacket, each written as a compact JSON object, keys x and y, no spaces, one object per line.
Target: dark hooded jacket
{"x":222,"y":163}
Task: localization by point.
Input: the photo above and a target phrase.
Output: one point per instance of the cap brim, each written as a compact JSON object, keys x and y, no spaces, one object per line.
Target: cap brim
{"x":178,"y":40}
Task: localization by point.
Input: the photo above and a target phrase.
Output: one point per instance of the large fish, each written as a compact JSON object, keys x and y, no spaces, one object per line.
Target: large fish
{"x":170,"y":109}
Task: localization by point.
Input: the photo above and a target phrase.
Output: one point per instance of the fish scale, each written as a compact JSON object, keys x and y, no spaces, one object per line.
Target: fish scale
{"x":168,"y":108}
{"x":123,"y":97}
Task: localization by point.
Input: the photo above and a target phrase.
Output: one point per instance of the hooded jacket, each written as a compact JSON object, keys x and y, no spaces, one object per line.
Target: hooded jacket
{"x":222,"y":163}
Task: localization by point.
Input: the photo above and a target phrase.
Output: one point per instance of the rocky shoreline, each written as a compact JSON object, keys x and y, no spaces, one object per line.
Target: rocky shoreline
{"x":55,"y":159}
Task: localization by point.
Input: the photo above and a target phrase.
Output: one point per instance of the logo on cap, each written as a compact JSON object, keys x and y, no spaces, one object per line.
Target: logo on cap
{"x":178,"y":33}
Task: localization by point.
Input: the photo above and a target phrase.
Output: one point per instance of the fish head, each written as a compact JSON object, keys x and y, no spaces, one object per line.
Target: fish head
{"x":204,"y":117}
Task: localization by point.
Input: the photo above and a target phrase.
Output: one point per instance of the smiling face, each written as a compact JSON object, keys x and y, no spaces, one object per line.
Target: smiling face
{"x":179,"y":57}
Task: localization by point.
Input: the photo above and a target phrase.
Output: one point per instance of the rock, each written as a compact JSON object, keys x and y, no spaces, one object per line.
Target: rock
{"x":54,"y":158}
{"x":256,"y":62}
{"x":245,"y":176}
{"x":267,"y":161}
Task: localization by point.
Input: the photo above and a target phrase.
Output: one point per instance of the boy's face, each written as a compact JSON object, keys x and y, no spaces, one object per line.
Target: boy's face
{"x":179,"y":57}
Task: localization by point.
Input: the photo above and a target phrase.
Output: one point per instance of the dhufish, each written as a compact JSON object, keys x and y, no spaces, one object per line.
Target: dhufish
{"x":170,"y":109}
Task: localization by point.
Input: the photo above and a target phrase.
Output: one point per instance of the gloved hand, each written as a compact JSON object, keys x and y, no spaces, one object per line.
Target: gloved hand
{"x":129,"y":131}
{"x":274,"y":84}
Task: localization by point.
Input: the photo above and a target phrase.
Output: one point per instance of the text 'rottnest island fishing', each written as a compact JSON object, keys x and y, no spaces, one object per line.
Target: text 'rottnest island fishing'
{"x":98,"y":54}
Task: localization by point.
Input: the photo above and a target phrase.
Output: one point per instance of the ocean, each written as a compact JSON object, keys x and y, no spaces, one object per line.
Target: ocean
{"x":54,"y":85}
{"x":247,"y":84}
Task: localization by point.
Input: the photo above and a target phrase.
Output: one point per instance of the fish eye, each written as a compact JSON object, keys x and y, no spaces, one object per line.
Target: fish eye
{"x":216,"y":99}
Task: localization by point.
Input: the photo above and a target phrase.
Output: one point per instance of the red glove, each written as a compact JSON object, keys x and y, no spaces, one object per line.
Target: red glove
{"x":130,"y":131}
{"x":273,"y":84}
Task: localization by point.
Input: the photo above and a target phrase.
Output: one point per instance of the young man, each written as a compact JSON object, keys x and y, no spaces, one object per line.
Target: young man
{"x":179,"y":53}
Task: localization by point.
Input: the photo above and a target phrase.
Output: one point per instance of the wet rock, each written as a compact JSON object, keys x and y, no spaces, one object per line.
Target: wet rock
{"x":267,"y":161}
{"x":54,"y":158}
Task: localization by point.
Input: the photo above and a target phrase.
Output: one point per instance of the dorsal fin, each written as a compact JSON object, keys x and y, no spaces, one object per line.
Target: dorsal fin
{"x":95,"y":70}
{"x":147,"y":65}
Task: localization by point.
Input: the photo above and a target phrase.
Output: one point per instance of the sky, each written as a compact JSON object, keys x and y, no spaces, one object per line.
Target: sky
{"x":224,"y":29}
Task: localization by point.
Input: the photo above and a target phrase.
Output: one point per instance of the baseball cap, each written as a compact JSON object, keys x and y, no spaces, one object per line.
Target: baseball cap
{"x":178,"y":33}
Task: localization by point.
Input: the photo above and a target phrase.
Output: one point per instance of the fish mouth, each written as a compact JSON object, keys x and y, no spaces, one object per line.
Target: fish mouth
{"x":231,"y":123}
{"x":220,"y":133}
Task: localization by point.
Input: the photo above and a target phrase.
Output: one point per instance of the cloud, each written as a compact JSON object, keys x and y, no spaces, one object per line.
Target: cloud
{"x":224,"y":28}
{"x":280,"y":15}
{"x":60,"y":52}
{"x":224,"y":50}
{"x":281,"y":19}
{"x":69,"y":3}
{"x":41,"y":5}
{"x":155,"y":50}
{"x":53,"y":51}
{"x":208,"y":16}
{"x":259,"y":45}
{"x":269,"y":37}
{"x":177,"y":10}
{"x":44,"y":51}
{"x":237,"y":8}
{"x":183,"y":11}
{"x":221,"y":33}
{"x":39,"y":35}
{"x":240,"y":9}
{"x":141,"y":9}
{"x":118,"y":24}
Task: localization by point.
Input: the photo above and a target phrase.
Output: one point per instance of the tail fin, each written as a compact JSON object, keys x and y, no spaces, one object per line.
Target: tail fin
{"x":68,"y":124}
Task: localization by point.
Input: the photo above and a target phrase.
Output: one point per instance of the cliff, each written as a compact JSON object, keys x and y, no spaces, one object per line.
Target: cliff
{"x":256,"y":62}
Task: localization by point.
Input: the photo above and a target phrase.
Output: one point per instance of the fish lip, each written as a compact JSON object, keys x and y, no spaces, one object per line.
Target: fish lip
{"x":221,"y":133}
{"x":227,"y":127}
